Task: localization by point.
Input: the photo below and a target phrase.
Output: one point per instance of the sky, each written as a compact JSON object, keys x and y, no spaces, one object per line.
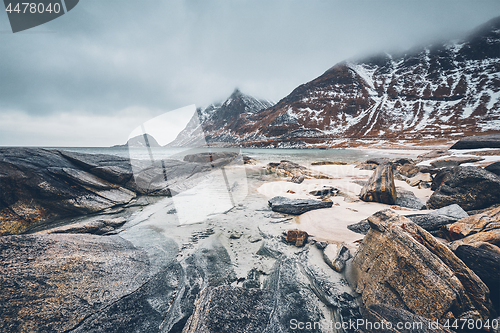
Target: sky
{"x":93,"y":75}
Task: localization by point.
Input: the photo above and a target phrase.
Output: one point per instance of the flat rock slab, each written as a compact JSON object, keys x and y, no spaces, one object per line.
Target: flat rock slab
{"x":296,"y":206}
{"x":476,"y":142}
{"x":50,"y":283}
{"x":455,"y":161}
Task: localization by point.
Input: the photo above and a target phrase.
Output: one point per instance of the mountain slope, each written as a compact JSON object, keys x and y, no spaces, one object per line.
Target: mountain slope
{"x":219,"y":123}
{"x":445,"y":90}
{"x":442,"y":90}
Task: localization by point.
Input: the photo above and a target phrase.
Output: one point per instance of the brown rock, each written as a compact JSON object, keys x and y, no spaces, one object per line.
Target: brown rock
{"x":492,"y":236}
{"x":296,"y":237}
{"x":402,"y":265}
{"x":329,"y":163}
{"x":380,"y":187}
{"x":474,"y":224}
{"x":419,"y":178}
{"x":408,"y":170}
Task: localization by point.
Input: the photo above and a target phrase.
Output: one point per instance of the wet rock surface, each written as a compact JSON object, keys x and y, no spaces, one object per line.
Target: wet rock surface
{"x":296,"y":206}
{"x":40,"y":186}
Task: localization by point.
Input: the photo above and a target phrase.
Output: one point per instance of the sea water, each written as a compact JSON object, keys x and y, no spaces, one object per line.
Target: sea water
{"x":264,"y":155}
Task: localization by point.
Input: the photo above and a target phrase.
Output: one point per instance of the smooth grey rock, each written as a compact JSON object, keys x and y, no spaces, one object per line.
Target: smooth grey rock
{"x":99,"y":226}
{"x":455,"y":161}
{"x":408,"y":199}
{"x":494,"y":168}
{"x":454,"y":211}
{"x":486,"y":265}
{"x":480,"y":141}
{"x":431,"y":222}
{"x":38,"y":186}
{"x":470,"y":187}
{"x":296,"y":206}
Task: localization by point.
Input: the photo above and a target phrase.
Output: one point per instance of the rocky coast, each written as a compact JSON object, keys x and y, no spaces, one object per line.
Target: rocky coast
{"x":95,"y":243}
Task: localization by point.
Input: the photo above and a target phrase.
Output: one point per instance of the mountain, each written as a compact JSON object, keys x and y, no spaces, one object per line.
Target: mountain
{"x":445,"y":90}
{"x":221,"y":122}
{"x":140,"y":141}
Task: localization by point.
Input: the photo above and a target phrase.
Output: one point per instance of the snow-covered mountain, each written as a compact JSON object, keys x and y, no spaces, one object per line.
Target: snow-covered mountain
{"x":445,"y":90}
{"x":220,"y":122}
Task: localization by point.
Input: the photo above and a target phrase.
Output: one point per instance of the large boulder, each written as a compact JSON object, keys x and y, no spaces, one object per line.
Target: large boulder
{"x":470,"y":187}
{"x":486,"y":265}
{"x":476,"y":142}
{"x":50,"y":283}
{"x":433,"y":221}
{"x":486,"y":221}
{"x":38,"y":186}
{"x":494,"y":168}
{"x":395,"y":320}
{"x":380,"y":187}
{"x":402,"y":265}
{"x":296,"y":206}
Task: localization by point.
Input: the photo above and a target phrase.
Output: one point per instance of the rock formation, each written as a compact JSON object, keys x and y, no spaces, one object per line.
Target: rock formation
{"x":380,"y":187}
{"x":470,"y":187}
{"x":401,"y":265}
{"x":296,"y":206}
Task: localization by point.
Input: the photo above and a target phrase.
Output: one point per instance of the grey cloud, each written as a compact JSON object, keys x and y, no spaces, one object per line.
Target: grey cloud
{"x":107,"y":55}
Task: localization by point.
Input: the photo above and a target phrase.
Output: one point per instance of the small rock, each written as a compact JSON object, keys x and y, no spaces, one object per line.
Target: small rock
{"x":297,"y":179}
{"x":419,"y":178}
{"x":336,"y":255}
{"x":290,"y":191}
{"x":254,"y":239}
{"x":235,"y":235}
{"x":297,"y":237}
{"x":327,"y":190}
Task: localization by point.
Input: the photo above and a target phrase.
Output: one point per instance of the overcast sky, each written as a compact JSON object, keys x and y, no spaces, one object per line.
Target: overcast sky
{"x":91,"y":76}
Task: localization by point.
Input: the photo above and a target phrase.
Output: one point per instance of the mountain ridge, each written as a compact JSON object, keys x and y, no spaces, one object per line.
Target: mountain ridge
{"x":443,"y":90}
